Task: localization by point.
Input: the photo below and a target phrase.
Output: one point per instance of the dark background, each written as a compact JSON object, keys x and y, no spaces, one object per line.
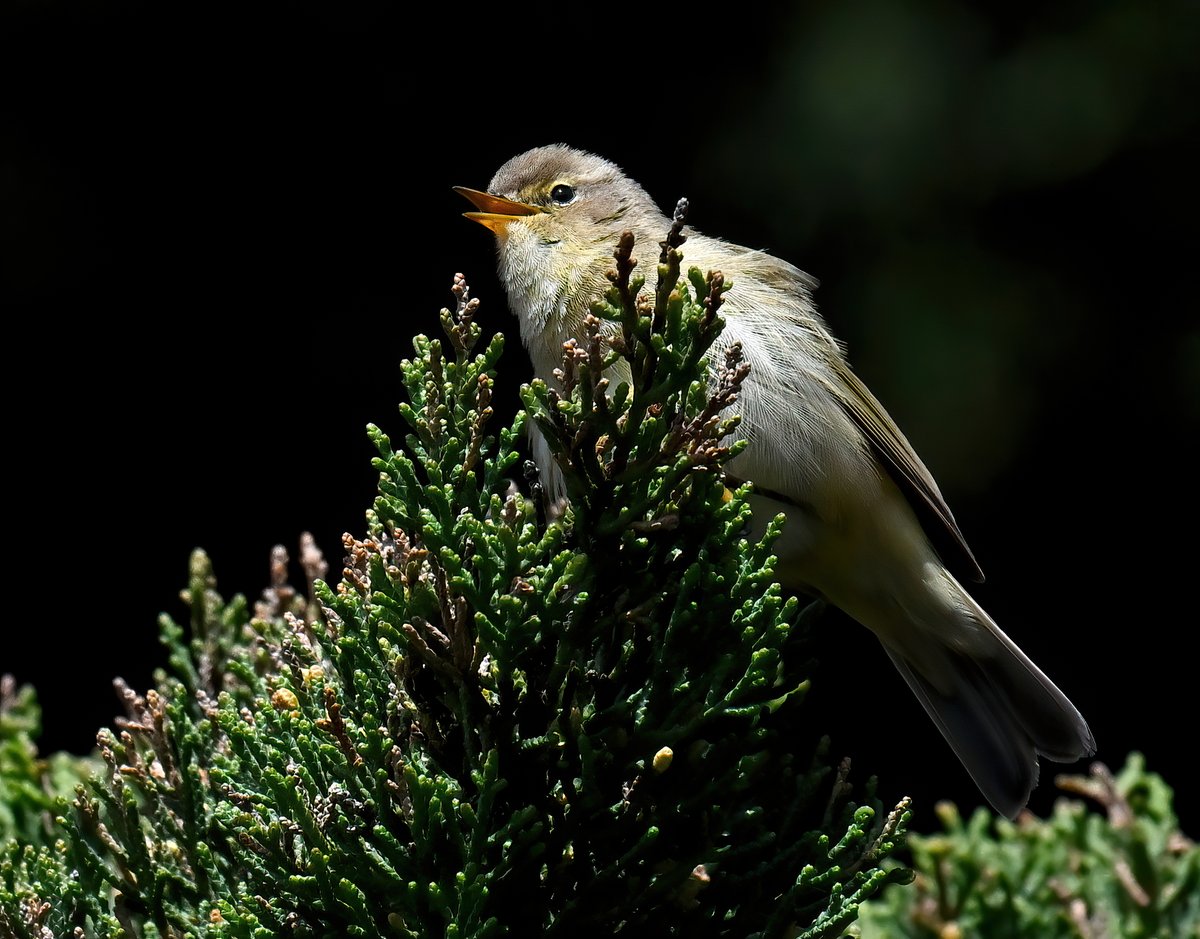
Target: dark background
{"x":219,"y":230}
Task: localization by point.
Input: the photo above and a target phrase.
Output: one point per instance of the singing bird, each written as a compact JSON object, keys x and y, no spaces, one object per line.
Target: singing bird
{"x":867,"y":527}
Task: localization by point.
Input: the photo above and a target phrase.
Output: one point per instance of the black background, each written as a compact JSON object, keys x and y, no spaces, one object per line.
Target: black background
{"x":219,"y":231}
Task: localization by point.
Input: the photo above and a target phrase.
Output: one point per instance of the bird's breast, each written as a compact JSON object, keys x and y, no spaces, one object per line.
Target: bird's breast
{"x":551,"y":284}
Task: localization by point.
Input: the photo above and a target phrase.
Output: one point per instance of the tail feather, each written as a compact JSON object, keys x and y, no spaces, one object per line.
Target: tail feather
{"x":996,"y":708}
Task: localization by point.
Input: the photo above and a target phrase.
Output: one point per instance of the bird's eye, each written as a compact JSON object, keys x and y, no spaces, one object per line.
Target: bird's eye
{"x":562,"y":194}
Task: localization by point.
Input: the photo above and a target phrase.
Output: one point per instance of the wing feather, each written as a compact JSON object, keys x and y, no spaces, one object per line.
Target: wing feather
{"x":906,"y":467}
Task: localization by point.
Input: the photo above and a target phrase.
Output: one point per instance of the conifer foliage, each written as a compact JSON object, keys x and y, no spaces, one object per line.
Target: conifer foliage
{"x":1128,"y":871}
{"x":508,"y":718}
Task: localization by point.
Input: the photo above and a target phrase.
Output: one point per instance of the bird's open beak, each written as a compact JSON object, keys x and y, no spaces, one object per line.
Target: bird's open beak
{"x":495,"y":211}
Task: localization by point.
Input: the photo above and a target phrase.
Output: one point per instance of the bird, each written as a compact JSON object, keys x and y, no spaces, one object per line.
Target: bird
{"x":867,"y":528}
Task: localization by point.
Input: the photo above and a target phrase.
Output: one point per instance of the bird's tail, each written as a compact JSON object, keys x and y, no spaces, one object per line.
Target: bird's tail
{"x":996,"y":708}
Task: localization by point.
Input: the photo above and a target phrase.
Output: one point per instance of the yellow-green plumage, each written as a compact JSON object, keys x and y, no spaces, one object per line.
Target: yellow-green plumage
{"x":864,"y":514}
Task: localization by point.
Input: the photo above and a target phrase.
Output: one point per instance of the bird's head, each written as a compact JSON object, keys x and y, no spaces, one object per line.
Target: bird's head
{"x":561,"y":196}
{"x":557,"y":214}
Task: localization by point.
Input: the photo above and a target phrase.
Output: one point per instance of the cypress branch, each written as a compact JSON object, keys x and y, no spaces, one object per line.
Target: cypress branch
{"x":500,"y":720}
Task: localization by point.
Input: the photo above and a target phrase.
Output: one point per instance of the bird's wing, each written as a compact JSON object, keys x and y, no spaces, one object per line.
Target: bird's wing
{"x":907,"y":469}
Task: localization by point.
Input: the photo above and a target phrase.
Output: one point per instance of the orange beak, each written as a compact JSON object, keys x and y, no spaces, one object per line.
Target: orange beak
{"x":495,"y":211}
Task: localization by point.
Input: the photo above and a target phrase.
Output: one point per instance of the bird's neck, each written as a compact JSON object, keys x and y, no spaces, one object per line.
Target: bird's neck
{"x":550,"y":291}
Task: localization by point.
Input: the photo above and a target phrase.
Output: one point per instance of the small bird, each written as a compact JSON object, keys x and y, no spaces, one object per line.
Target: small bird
{"x":867,"y":528}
